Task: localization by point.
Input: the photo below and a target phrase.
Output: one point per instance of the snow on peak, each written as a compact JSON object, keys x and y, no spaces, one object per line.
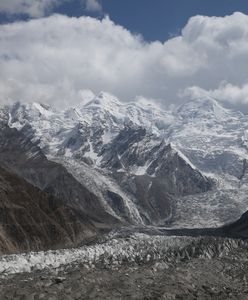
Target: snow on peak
{"x":23,"y":113}
{"x":31,"y":109}
{"x":206,"y":107}
{"x":73,"y":114}
{"x":108,"y":108}
{"x":209,"y":135}
{"x":104,"y":101}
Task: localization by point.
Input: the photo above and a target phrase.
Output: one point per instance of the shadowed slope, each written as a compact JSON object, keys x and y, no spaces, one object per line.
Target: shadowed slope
{"x":31,"y":219}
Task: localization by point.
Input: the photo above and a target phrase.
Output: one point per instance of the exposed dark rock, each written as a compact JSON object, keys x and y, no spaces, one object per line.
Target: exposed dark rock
{"x":166,"y":174}
{"x":31,"y":219}
{"x":20,"y":155}
{"x":238,"y":229}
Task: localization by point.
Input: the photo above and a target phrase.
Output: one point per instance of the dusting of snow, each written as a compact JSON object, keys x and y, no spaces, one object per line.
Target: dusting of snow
{"x":140,"y":170}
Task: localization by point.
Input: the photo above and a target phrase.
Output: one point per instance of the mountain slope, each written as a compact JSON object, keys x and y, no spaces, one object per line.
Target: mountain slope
{"x":34,"y":220}
{"x":238,"y":229}
{"x":21,"y":156}
{"x":213,"y":138}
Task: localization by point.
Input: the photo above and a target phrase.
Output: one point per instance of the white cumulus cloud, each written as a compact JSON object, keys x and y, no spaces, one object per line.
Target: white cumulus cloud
{"x":93,"y":5}
{"x":55,"y":59}
{"x":226,"y":92}
{"x":33,"y":8}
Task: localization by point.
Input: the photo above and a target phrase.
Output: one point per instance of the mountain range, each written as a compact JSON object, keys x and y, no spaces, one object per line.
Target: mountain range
{"x":107,"y":164}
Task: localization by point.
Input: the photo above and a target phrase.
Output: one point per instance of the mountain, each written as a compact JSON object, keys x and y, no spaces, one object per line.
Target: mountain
{"x":137,"y":163}
{"x":213,"y":138}
{"x":116,"y":152}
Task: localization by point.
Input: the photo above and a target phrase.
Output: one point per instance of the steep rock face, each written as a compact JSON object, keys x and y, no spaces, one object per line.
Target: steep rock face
{"x":32,"y":220}
{"x":136,"y":152}
{"x":23,"y":157}
{"x":153,"y":172}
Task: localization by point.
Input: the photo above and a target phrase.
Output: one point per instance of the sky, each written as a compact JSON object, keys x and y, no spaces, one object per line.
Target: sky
{"x":60,"y":51}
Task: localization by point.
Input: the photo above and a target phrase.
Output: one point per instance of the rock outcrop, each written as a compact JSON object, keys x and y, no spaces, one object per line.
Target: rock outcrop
{"x":31,"y":219}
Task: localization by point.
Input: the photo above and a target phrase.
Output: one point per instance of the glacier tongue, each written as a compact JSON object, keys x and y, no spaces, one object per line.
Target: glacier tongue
{"x":137,"y":249}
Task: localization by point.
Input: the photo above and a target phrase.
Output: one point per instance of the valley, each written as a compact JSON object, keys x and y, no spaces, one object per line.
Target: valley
{"x":134,"y":196}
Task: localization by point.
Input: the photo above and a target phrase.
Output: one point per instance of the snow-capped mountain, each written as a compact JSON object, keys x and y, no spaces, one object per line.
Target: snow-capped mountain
{"x":141,"y":162}
{"x":213,"y":138}
{"x":97,"y":122}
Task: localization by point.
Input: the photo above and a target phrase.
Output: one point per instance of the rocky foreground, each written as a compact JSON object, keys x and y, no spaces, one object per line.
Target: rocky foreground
{"x":134,"y":267}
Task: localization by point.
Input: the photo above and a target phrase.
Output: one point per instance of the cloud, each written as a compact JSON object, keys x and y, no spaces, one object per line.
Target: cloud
{"x":92,"y":5}
{"x":55,"y":59}
{"x":32,"y":8}
{"x":226,"y":92}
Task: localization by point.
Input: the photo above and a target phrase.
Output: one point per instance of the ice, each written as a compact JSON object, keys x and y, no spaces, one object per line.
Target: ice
{"x":115,"y":250}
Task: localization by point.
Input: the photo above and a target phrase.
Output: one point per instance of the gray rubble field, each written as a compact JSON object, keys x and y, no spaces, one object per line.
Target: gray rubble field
{"x":134,"y":267}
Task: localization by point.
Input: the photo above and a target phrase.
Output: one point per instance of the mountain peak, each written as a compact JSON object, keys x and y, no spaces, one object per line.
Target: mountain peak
{"x":42,"y":108}
{"x":205,"y":107}
{"x":104,"y":100}
{"x":20,"y":114}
